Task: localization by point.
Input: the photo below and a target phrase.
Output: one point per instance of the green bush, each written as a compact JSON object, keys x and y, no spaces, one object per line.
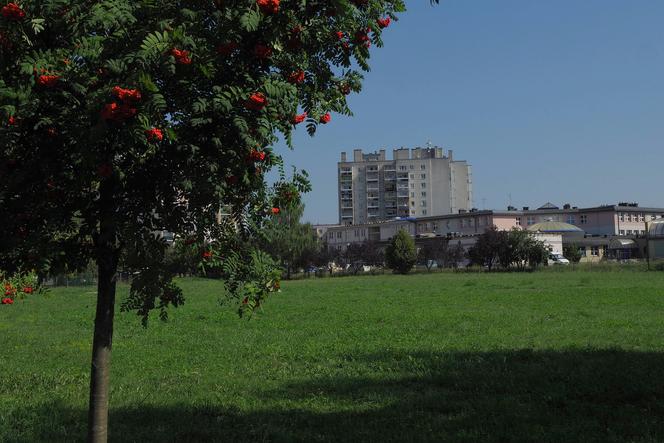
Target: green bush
{"x":401,"y":255}
{"x":658,"y":265}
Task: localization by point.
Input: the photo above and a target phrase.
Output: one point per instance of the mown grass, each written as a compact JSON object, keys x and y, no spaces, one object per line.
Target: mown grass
{"x":537,"y":357}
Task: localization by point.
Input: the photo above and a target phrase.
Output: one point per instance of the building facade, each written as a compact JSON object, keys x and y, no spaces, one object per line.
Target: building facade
{"x":418,"y":182}
{"x":608,"y":231}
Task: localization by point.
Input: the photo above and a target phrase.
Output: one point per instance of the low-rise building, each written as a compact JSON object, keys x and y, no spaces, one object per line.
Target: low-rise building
{"x":607,"y":231}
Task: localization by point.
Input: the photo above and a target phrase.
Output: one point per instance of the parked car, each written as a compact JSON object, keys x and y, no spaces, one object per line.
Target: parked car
{"x":558,"y":259}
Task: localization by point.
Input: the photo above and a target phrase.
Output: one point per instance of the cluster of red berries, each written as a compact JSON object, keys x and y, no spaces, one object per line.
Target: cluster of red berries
{"x":181,"y":56}
{"x":121,"y":111}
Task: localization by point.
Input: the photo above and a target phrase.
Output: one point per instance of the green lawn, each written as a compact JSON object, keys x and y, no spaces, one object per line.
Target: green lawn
{"x":538,"y":357}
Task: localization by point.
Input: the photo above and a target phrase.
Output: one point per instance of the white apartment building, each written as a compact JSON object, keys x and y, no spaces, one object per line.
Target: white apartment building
{"x":417,"y":182}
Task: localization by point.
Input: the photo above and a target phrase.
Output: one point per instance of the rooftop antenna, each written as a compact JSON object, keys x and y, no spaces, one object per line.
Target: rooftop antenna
{"x":483,"y":203}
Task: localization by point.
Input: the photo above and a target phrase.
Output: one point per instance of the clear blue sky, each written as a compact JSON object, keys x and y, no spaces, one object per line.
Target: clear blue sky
{"x":549,"y":100}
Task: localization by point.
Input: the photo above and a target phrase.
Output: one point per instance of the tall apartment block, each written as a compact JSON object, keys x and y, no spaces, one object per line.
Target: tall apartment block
{"x":417,"y":182}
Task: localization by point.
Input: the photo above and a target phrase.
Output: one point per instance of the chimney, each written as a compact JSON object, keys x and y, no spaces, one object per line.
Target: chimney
{"x":357,"y":155}
{"x":450,"y":155}
{"x":381,"y":155}
{"x":343,"y":156}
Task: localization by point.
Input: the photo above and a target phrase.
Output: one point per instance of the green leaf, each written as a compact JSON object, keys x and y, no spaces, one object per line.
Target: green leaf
{"x":250,"y":20}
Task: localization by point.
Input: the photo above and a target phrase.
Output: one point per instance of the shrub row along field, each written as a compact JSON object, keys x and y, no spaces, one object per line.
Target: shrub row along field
{"x":574,"y":356}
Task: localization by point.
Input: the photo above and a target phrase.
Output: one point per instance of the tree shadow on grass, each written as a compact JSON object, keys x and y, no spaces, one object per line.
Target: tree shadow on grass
{"x":508,"y":396}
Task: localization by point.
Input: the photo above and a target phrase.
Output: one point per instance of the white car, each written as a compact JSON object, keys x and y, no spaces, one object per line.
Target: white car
{"x":557,"y":259}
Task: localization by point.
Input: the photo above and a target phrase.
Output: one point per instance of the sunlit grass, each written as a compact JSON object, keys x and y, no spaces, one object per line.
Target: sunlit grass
{"x":574,"y":356}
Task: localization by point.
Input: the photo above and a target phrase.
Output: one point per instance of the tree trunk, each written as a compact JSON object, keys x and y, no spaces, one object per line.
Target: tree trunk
{"x":107,"y":263}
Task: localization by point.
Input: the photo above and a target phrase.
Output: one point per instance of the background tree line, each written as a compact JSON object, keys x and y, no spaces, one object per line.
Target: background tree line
{"x":508,"y":249}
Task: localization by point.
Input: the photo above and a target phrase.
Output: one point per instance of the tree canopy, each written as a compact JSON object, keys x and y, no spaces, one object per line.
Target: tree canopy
{"x":401,"y":254}
{"x":122,"y":119}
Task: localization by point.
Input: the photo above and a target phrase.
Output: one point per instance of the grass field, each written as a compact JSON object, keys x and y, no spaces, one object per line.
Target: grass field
{"x":539,"y":357}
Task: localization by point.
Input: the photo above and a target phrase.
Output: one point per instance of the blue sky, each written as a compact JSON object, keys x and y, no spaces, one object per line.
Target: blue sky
{"x":549,"y":100}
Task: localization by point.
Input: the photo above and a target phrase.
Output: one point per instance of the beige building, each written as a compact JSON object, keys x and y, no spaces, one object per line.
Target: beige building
{"x":418,"y":182}
{"x":609,"y":231}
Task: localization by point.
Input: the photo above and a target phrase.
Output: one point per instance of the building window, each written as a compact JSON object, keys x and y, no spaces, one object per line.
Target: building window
{"x":423,"y":185}
{"x":412,"y":166}
{"x":435,"y":225}
{"x":629,"y":232}
{"x":412,"y":202}
{"x":642,"y":217}
{"x":424,"y":212}
{"x":423,"y":176}
{"x":518,"y":221}
{"x":622,"y":216}
{"x":424,"y":193}
{"x":412,"y":195}
{"x":423,"y":166}
{"x":530,"y":220}
{"x":412,"y":176}
{"x":571,"y":219}
{"x":339,"y":234}
{"x":423,"y":203}
{"x":622,"y":232}
{"x":403,"y":168}
{"x":584,"y":219}
{"x":412,"y":212}
{"x":582,"y":250}
{"x":594,"y":251}
{"x":412,"y":186}
{"x":629,"y":217}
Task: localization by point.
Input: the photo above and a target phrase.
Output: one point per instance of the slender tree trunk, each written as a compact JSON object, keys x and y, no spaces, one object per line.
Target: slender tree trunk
{"x":107,"y":263}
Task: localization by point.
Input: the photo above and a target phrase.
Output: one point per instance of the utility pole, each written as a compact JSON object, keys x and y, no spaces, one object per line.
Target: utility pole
{"x":648,"y":244}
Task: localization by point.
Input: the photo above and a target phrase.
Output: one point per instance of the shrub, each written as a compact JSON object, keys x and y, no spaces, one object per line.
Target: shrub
{"x":401,"y":255}
{"x":18,"y":286}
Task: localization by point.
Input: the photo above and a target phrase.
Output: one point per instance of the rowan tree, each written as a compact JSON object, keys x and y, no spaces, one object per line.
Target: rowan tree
{"x":122,"y":119}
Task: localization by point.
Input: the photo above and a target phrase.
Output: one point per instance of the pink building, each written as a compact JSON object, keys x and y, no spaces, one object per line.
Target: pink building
{"x":597,"y":227}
